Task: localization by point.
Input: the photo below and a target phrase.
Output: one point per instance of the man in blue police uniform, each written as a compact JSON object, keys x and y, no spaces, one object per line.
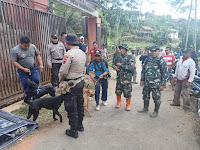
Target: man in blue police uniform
{"x":23,"y":56}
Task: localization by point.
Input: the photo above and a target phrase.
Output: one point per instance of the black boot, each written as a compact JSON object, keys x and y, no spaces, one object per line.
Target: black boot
{"x":26,"y":100}
{"x":157,"y":106}
{"x":146,"y":107}
{"x":72,"y":133}
{"x":80,"y":128}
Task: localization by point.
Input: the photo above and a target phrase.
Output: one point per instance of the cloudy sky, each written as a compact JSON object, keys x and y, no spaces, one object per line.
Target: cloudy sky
{"x":161,"y":7}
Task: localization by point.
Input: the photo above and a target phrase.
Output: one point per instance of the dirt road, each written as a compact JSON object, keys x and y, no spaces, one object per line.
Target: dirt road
{"x":112,"y":128}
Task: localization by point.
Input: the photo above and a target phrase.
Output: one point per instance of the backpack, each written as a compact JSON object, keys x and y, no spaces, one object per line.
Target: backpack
{"x":96,"y":64}
{"x":101,"y":67}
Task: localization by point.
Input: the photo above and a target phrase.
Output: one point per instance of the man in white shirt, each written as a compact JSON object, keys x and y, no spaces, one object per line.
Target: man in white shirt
{"x":104,"y":52}
{"x":184,"y":75}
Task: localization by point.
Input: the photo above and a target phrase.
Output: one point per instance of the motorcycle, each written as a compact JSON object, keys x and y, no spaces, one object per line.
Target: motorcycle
{"x":195,"y":90}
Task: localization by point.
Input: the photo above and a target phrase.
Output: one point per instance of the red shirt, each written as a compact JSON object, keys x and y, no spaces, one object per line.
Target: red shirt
{"x":92,"y":50}
{"x":62,"y":42}
{"x":169,"y":59}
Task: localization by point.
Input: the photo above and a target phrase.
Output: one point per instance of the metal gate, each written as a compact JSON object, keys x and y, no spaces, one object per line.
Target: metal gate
{"x":17,"y":20}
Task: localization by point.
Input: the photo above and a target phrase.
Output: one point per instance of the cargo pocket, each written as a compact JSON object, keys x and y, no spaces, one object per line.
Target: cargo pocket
{"x":71,"y":104}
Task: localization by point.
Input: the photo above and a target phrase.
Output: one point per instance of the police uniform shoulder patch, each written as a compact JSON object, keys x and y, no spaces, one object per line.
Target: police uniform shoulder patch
{"x":65,"y":59}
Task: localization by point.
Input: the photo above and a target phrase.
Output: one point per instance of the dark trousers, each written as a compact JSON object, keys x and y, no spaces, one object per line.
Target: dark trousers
{"x":156,"y":94}
{"x":104,"y":84}
{"x":54,"y":73}
{"x":33,"y":76}
{"x":73,"y":102}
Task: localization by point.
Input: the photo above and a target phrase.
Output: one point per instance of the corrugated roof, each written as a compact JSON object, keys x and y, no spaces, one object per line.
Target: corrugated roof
{"x":146,"y":28}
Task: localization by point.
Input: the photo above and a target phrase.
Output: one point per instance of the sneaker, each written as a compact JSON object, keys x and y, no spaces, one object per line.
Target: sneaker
{"x":97,"y":108}
{"x":105,"y":103}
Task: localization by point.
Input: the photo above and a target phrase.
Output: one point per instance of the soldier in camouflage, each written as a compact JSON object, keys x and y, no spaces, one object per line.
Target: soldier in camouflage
{"x":124,"y":65}
{"x":135,"y":72}
{"x":116,"y":54}
{"x":154,"y":76}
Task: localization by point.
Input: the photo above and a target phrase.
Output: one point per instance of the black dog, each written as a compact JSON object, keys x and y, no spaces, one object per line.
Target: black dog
{"x":37,"y":92}
{"x":52,"y":103}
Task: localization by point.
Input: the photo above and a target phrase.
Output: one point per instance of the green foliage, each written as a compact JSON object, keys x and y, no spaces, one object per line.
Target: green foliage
{"x":180,"y":5}
{"x":119,"y":25}
{"x":73,"y":18}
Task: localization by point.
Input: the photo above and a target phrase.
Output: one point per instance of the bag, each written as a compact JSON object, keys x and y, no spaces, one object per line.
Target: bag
{"x":95,"y":64}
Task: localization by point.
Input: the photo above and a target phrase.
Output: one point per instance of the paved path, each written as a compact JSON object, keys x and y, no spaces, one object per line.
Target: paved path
{"x":117,"y":129}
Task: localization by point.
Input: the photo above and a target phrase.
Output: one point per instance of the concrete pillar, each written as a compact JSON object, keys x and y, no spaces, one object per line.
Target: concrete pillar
{"x":40,"y":7}
{"x":94,"y":24}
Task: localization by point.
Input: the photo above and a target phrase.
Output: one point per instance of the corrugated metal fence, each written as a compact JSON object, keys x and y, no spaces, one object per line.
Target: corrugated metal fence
{"x":15,"y":21}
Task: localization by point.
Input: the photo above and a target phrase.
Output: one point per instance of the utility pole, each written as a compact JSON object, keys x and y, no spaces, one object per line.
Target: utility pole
{"x":188,"y":26}
{"x":195,"y":26}
{"x":139,"y":15}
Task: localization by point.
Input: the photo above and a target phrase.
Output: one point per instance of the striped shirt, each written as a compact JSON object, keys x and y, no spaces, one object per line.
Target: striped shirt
{"x":169,"y":59}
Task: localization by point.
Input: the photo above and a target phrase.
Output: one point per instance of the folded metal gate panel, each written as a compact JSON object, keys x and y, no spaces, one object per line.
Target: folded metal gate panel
{"x":15,"y":21}
{"x":13,"y":127}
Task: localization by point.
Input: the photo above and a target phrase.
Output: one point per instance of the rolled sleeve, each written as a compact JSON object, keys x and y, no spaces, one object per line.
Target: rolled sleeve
{"x":49,"y":61}
{"x":13,"y":55}
{"x":64,"y":69}
{"x":192,"y":71}
{"x":91,"y":67}
{"x":37,"y":52}
{"x":143,"y":73}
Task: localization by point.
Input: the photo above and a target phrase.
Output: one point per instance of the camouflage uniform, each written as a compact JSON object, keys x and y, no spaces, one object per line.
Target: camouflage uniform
{"x":135,"y":72}
{"x":116,"y":54}
{"x":124,"y":76}
{"x":154,"y":74}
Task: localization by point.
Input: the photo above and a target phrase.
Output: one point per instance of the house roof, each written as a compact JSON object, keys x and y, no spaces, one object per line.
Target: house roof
{"x":146,"y":28}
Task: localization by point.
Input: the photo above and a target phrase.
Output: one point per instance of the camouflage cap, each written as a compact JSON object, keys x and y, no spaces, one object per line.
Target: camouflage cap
{"x":125,"y":46}
{"x":154,"y":48}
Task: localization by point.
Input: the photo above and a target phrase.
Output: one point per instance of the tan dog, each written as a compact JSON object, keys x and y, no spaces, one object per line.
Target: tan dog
{"x":86,"y":94}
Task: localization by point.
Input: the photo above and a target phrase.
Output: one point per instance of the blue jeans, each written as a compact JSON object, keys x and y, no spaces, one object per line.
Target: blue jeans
{"x":104,"y":84}
{"x":34,"y":76}
{"x":87,"y":68}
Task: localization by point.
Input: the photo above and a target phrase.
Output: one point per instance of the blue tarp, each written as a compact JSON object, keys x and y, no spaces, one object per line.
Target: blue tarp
{"x":13,"y":127}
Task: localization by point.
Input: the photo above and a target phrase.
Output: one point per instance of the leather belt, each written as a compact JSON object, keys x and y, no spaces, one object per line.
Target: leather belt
{"x":58,"y":58}
{"x":72,"y":79}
